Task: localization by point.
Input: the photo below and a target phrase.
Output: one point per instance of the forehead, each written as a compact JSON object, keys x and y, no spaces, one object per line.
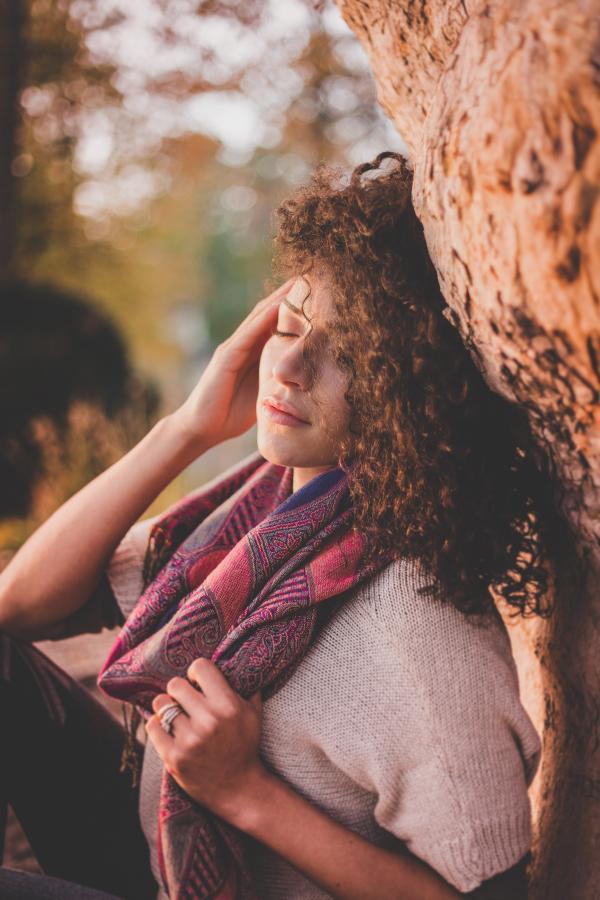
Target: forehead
{"x":315,"y":293}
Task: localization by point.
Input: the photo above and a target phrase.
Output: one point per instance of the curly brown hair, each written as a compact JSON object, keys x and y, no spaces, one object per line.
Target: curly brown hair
{"x":441,"y":468}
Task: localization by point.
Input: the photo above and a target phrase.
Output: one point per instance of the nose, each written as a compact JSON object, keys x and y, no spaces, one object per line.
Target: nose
{"x":293,"y":366}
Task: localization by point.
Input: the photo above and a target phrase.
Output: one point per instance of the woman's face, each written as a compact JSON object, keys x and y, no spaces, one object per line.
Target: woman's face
{"x":301,"y":412}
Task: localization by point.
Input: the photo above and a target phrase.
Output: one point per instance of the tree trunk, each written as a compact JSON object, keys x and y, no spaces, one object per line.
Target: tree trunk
{"x":12,"y":21}
{"x":499,"y":105}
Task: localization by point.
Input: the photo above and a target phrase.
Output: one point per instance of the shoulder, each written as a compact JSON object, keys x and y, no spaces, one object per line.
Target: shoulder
{"x":401,"y":593}
{"x":460,"y":666}
{"x":429,"y":629}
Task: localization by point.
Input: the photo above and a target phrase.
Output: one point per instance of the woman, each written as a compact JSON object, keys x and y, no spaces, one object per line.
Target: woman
{"x":331,"y":706}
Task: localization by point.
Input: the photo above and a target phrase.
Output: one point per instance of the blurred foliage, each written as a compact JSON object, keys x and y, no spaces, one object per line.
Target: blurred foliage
{"x":153,"y":141}
{"x":68,"y":457}
{"x":55,"y":349}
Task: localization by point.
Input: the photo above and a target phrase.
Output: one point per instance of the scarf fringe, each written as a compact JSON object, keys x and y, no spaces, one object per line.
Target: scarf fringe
{"x":130,"y":758}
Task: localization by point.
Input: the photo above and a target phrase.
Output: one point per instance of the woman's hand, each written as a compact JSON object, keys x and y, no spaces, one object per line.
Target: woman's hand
{"x":223,"y":402}
{"x":212,"y":752}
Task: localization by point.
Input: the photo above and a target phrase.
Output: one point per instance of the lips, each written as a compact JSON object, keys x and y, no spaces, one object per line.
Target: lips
{"x":276,"y":405}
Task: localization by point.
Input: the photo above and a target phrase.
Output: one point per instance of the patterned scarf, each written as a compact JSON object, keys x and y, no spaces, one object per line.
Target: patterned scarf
{"x":238,"y":571}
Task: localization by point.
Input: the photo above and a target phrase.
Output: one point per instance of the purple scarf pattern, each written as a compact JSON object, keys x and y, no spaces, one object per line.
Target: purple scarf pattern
{"x":237,"y":572}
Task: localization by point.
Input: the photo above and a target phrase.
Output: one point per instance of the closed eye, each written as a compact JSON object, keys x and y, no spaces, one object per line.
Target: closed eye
{"x":283,"y":333}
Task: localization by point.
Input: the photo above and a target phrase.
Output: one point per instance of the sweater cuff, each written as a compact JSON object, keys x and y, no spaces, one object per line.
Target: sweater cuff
{"x":490,"y":847}
{"x":124,"y":572}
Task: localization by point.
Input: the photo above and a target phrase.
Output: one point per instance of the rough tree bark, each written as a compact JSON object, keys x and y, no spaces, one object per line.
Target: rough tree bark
{"x":499,"y":105}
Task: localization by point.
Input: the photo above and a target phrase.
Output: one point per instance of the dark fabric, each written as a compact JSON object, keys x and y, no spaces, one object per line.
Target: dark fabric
{"x":18,"y":885}
{"x":59,"y":770}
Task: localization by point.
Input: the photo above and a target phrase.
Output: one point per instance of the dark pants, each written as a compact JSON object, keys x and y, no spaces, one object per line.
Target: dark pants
{"x":59,"y":769}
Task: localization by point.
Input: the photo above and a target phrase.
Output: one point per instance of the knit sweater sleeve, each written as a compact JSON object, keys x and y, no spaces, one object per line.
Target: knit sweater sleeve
{"x":124,"y":569}
{"x":453,"y":751}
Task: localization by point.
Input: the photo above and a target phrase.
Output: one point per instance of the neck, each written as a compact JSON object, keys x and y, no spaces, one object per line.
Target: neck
{"x":303,"y":476}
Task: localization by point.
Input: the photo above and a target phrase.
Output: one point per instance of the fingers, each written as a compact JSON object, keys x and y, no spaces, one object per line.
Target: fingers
{"x":245,"y":345}
{"x":279,"y":292}
{"x":252,"y":332}
{"x":159,"y":737}
{"x":187,"y":696}
{"x":212,"y":691}
{"x":163,"y":700}
{"x":267,"y":303}
{"x":180,"y":724}
{"x":211,"y":681}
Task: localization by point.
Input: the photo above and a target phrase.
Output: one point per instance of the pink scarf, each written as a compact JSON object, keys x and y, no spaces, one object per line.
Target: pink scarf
{"x":238,"y":571}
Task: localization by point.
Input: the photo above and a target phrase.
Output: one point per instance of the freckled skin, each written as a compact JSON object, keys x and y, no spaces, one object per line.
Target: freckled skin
{"x":317,"y":394}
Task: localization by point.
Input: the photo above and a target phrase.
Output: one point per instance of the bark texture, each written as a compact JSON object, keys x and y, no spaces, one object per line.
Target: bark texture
{"x":499,"y":105}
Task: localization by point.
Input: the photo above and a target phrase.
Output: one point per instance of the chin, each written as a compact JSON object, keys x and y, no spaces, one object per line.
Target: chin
{"x":279,"y":455}
{"x":282,"y":451}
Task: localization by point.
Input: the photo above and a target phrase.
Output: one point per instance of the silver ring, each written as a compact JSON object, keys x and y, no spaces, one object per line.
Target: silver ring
{"x":166,"y":715}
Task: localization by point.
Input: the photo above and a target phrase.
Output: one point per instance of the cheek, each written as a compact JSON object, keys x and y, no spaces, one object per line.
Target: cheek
{"x":268,"y":358}
{"x":336,"y":412}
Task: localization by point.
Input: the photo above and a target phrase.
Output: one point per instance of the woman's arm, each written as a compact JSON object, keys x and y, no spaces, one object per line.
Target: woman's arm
{"x":340,"y":861}
{"x":57,"y":568}
{"x":61,"y":563}
{"x":101,"y":610}
{"x":345,"y":864}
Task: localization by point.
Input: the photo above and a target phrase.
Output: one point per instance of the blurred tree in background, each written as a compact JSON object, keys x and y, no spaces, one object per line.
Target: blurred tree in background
{"x":144,"y":147}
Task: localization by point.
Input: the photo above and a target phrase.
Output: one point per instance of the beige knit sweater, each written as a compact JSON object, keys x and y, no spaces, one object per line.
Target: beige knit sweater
{"x":403,"y":722}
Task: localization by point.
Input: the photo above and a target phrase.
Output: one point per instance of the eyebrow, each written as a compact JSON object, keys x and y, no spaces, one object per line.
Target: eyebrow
{"x":296,"y":310}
